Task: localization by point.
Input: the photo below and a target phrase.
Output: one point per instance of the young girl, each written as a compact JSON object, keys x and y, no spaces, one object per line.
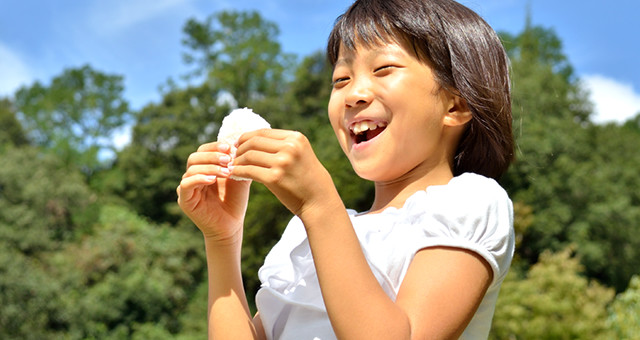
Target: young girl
{"x":421,"y":107}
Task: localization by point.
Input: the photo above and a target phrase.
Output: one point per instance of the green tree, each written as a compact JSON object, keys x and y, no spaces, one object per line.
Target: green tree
{"x":576,"y":177}
{"x":239,"y":56}
{"x":129,"y":277}
{"x":239,"y":53}
{"x":146,"y":172}
{"x":624,"y":312}
{"x":12,"y":133}
{"x":42,"y":204}
{"x":606,"y":189}
{"x":43,"y":208}
{"x":75,"y":115}
{"x":552,"y":301}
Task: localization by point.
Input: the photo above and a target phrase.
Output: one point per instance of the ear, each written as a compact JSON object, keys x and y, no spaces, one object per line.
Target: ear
{"x":458,"y":111}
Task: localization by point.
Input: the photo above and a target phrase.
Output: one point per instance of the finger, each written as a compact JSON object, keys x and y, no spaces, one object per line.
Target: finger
{"x":214,"y":146}
{"x":189,"y":185}
{"x":207,"y":170}
{"x":258,"y":173}
{"x":263,"y":160}
{"x":261,"y":143}
{"x":199,"y":158}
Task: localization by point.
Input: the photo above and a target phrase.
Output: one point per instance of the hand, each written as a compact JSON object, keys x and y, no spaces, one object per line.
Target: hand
{"x":285,"y":163}
{"x":215,"y":203}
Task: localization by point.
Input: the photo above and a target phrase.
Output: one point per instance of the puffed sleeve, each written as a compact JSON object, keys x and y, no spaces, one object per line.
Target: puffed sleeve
{"x":472,"y":212}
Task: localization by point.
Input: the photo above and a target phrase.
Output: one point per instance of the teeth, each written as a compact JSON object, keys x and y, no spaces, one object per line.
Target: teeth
{"x":362,"y":126}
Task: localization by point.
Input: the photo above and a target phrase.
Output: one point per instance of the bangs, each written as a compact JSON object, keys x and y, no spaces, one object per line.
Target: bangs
{"x":365,"y":25}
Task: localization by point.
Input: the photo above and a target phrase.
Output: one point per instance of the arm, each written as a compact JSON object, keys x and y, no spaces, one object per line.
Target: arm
{"x":440,"y":292}
{"x":217,"y":206}
{"x":438,"y":297}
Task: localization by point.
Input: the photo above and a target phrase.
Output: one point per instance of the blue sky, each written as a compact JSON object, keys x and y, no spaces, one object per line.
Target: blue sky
{"x":140,"y":39}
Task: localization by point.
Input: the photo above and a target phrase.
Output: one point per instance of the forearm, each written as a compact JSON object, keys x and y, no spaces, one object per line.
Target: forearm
{"x":356,"y":303}
{"x":228,"y":312}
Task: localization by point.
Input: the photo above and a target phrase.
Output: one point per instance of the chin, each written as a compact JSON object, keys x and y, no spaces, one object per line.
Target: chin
{"x":370,"y":174}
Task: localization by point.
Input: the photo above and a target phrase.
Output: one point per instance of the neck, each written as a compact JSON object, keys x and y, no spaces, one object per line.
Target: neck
{"x":395,"y":193}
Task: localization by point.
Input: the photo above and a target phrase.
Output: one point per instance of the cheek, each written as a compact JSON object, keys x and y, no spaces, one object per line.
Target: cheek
{"x":336,"y":118}
{"x":334,"y":112}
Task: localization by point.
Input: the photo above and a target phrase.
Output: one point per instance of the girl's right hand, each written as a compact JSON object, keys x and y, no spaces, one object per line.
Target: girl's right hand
{"x":213,"y":201}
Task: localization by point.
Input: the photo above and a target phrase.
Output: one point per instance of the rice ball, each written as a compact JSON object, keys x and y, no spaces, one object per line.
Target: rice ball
{"x":238,"y":122}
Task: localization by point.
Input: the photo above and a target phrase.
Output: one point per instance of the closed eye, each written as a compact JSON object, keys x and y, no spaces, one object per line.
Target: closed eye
{"x":383,"y":70}
{"x":338,"y":81}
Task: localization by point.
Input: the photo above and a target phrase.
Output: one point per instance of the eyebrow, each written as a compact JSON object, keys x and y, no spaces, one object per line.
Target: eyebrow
{"x":344,"y":61}
{"x":375,"y":52}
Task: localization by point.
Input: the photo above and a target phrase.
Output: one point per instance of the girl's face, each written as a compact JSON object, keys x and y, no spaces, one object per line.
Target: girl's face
{"x":389,"y":114}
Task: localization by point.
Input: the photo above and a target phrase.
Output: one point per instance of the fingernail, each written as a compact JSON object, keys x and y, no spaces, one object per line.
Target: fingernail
{"x":230,"y":167}
{"x":224,"y":159}
{"x":225,"y":171}
{"x":223,"y":147}
{"x":210,"y":178}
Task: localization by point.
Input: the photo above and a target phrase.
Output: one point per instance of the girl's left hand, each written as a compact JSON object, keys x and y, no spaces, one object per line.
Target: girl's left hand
{"x":285,"y":163}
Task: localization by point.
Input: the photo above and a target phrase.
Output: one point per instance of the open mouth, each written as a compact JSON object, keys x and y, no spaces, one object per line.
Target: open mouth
{"x":364,"y":131}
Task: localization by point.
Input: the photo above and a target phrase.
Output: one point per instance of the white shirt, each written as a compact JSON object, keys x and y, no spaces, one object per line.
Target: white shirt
{"x":470,"y":212}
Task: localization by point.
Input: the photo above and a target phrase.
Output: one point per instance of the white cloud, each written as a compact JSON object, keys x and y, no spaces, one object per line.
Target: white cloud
{"x":613,"y":101}
{"x":14,"y":71}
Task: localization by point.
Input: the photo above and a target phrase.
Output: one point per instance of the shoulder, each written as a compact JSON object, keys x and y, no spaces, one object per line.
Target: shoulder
{"x":472,"y":212}
{"x":468,"y":197}
{"x":477,"y":187}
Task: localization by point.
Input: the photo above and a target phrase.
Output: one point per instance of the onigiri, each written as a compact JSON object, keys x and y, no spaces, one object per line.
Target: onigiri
{"x":238,"y":122}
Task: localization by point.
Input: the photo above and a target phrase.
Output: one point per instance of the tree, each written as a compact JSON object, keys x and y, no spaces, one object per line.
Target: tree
{"x":240,"y":57}
{"x":576,"y":177}
{"x":607,"y":234}
{"x":238,"y":52}
{"x":75,"y":115}
{"x":126,"y":279}
{"x":624,"y":312}
{"x":143,"y":276}
{"x":43,"y":208}
{"x":42,"y":204}
{"x":147,"y":171}
{"x":553,"y":301}
{"x":12,"y":133}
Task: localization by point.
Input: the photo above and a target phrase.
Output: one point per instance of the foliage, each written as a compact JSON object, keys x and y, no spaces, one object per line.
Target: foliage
{"x":577,"y":178}
{"x":11,"y":133}
{"x":237,"y":51}
{"x":146,"y":171}
{"x":129,"y":279}
{"x":42,"y":204}
{"x":624,"y":312}
{"x":147,"y":275}
{"x":553,"y":301}
{"x":75,"y":115}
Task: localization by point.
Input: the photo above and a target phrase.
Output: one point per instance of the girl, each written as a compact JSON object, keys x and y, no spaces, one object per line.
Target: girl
{"x":421,"y":107}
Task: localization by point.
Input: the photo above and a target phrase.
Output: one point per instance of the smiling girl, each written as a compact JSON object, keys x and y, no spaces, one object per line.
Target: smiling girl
{"x":421,"y":106}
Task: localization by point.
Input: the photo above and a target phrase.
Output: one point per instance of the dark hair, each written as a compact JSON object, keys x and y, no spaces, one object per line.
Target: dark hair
{"x":467,"y":58}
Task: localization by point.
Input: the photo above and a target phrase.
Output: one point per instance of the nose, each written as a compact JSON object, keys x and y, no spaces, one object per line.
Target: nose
{"x":359,"y":92}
